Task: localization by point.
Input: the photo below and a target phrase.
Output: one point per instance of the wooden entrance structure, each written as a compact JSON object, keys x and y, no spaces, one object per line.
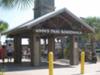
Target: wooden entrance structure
{"x":57,"y":23}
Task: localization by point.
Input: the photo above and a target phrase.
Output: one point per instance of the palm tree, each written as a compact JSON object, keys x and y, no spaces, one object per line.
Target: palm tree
{"x":95,"y":23}
{"x":3,"y":27}
{"x":16,"y":3}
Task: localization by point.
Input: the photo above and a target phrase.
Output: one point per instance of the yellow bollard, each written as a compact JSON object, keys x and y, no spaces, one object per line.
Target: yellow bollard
{"x":82,"y":61}
{"x":50,"y":57}
{"x":1,"y":72}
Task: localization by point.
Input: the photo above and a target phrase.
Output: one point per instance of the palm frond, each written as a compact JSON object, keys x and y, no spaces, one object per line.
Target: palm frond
{"x":16,"y":3}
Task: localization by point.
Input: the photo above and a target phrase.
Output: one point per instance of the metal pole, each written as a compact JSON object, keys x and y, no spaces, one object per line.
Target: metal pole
{"x":50,"y":63}
{"x":82,"y":61}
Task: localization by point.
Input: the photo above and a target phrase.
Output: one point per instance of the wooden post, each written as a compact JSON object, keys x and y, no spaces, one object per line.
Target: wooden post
{"x":74,"y":53}
{"x":51,"y":43}
{"x":17,"y":49}
{"x":35,"y":49}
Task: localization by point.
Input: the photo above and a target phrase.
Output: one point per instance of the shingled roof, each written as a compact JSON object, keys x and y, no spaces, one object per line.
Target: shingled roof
{"x":66,"y":18}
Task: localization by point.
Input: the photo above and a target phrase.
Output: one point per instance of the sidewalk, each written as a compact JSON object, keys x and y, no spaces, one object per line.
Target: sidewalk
{"x":90,"y":69}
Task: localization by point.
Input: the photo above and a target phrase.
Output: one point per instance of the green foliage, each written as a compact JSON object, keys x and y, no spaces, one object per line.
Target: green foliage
{"x":3,"y":26}
{"x":67,"y":53}
{"x":95,"y":23}
{"x":68,"y":47}
{"x":16,"y":3}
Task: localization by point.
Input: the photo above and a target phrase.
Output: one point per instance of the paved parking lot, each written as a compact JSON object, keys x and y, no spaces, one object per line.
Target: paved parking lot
{"x":90,"y":69}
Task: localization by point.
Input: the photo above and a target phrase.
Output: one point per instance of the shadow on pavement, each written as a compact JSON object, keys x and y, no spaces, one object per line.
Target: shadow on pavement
{"x":77,"y":74}
{"x":98,"y":71}
{"x":8,"y":67}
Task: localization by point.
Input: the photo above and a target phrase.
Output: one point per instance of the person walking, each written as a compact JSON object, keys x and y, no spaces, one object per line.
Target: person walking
{"x":2,"y":53}
{"x":9,"y":52}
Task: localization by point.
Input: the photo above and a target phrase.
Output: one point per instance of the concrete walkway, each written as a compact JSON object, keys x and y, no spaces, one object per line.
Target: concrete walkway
{"x":90,"y":69}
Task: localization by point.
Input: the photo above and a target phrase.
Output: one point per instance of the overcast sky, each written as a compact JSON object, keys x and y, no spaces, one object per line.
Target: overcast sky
{"x":81,"y":8}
